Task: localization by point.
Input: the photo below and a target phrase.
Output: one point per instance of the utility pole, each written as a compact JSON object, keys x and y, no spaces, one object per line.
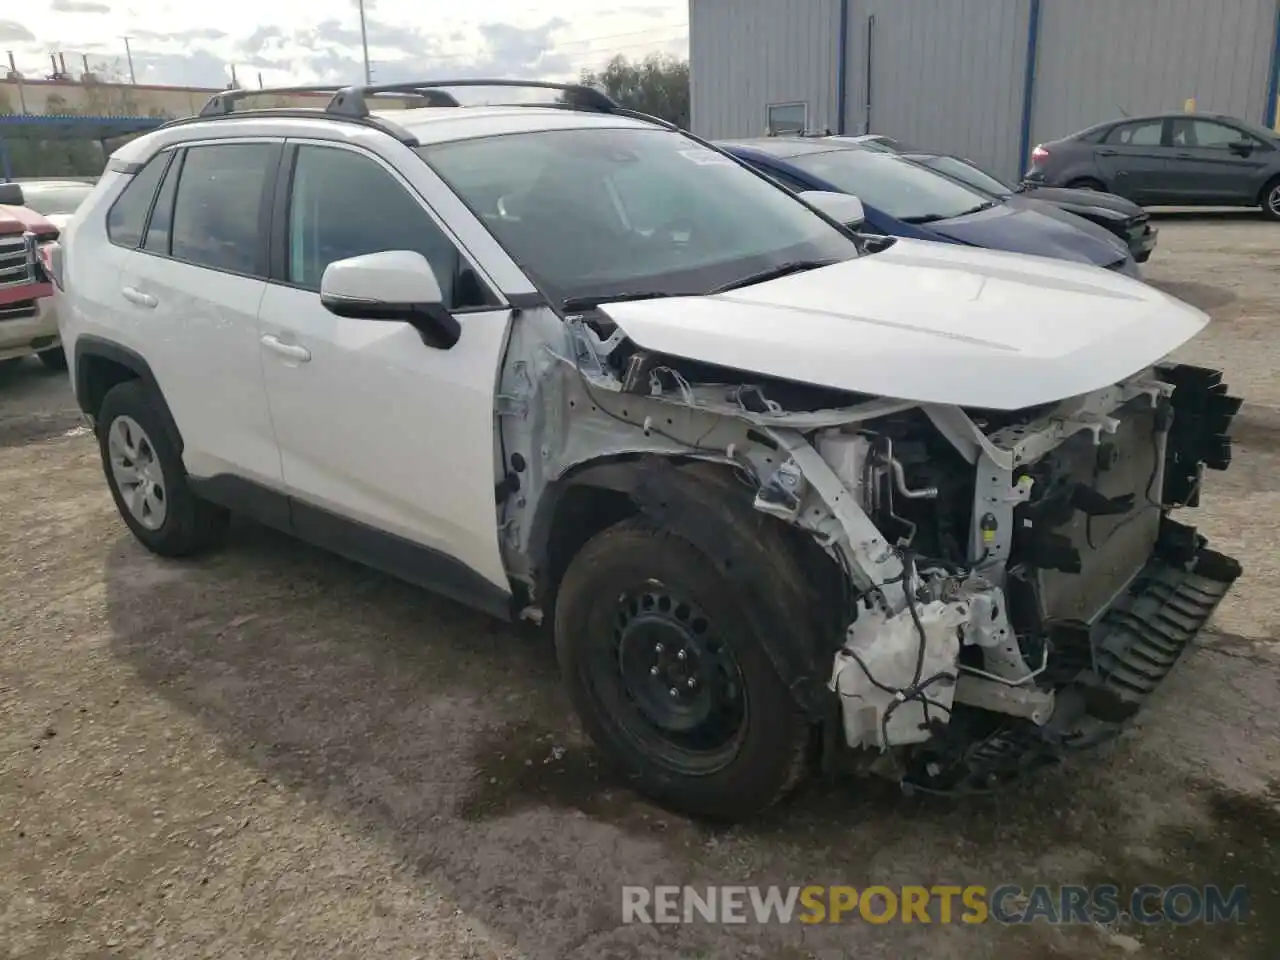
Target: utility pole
{"x":364,"y":43}
{"x":128,"y":52}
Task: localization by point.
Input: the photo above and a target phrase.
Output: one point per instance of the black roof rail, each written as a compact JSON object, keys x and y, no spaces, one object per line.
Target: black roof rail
{"x":225,"y":102}
{"x":299,"y":113}
{"x":353,"y":101}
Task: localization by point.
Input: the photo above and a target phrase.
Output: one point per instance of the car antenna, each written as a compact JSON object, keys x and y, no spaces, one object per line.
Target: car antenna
{"x":1123,"y":112}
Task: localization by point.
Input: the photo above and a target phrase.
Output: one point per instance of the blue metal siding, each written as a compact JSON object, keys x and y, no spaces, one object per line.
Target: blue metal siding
{"x":1101,"y":59}
{"x":946,"y":75}
{"x":746,"y":54}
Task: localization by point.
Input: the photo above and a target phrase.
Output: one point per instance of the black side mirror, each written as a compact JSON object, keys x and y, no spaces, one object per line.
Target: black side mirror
{"x":11,"y":195}
{"x":1242,"y":148}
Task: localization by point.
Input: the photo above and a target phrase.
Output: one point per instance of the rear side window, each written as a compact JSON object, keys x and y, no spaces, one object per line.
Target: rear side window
{"x":127,"y":217}
{"x":219,"y":202}
{"x":1144,"y":134}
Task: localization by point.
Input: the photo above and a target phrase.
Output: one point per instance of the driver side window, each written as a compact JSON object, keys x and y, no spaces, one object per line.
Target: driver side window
{"x":343,"y":204}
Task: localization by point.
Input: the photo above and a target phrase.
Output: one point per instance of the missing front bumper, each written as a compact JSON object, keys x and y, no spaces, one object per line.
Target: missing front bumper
{"x":1132,"y":649}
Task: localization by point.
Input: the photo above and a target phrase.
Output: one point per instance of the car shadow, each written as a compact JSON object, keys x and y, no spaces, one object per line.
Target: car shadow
{"x":1221,"y":215}
{"x":445,"y":736}
{"x":36,"y":403}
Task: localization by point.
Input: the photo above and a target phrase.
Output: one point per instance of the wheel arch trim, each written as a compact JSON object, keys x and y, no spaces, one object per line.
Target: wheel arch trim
{"x":89,"y":348}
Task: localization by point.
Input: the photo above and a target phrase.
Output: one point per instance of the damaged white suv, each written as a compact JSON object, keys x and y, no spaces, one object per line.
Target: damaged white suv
{"x":786,"y":495}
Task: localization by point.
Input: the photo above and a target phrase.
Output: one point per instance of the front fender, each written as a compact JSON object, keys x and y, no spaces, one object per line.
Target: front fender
{"x":788,"y":585}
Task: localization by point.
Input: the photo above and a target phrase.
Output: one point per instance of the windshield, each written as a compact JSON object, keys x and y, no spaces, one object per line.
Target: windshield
{"x":62,"y":199}
{"x":594,"y":213}
{"x":893,"y":185}
{"x":967,"y":173}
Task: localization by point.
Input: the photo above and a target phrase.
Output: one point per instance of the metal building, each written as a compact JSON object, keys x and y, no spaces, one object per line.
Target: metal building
{"x":986,"y":79}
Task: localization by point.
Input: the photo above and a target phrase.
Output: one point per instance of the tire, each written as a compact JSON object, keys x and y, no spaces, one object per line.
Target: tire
{"x":631,"y":602}
{"x":53,"y":359}
{"x":134,"y":444}
{"x":1087,"y":183}
{"x":1270,"y":200}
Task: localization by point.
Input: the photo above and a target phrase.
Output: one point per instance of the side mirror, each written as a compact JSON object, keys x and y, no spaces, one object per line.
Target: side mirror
{"x":1242,"y":148}
{"x":11,"y":195}
{"x":840,"y":207}
{"x":394,"y":285}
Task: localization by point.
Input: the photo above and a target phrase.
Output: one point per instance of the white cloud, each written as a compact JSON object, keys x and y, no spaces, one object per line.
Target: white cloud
{"x":300,"y":41}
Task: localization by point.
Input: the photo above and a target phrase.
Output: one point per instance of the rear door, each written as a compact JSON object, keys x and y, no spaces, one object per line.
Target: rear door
{"x":191,"y":292}
{"x":1216,"y":163}
{"x":1134,"y":158}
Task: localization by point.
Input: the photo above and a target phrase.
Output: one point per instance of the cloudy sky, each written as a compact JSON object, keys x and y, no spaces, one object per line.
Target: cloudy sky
{"x":194,"y":43}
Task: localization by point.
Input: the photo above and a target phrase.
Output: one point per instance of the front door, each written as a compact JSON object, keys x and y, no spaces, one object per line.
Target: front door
{"x":1216,"y":163}
{"x":373,"y":425}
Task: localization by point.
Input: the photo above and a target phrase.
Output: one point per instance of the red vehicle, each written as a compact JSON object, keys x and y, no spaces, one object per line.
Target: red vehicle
{"x":28,"y":323}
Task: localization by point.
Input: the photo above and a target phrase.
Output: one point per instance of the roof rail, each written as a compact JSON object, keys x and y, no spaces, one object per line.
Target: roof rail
{"x":353,"y":101}
{"x":224,"y":103}
{"x":299,"y":113}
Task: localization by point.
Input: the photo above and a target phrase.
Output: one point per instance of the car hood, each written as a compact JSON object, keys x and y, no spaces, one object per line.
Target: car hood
{"x":1026,"y":226}
{"x":22,"y":219}
{"x":930,"y":323}
{"x":1085,"y":199}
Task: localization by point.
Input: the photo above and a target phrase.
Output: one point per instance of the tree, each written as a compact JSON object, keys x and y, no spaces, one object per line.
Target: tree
{"x":657,"y":85}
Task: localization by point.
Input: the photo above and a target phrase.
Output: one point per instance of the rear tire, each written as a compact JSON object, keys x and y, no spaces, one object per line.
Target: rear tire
{"x":1087,"y":183}
{"x":147,"y":479}
{"x":670,"y":678}
{"x":54,"y":359}
{"x":1271,"y":200}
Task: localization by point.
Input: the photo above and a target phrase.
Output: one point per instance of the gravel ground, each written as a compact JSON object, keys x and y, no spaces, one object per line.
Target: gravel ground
{"x":274,"y":753}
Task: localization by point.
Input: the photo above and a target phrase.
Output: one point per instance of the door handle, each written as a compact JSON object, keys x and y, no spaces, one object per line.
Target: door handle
{"x":1183,"y":156}
{"x":134,"y":295}
{"x":1106,"y":153}
{"x":291,"y":350}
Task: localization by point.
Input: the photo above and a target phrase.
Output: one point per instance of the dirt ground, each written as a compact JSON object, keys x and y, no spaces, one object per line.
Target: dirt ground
{"x":274,"y":753}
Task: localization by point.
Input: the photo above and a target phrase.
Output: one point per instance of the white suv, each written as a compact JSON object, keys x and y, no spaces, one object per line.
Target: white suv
{"x":778,"y":489}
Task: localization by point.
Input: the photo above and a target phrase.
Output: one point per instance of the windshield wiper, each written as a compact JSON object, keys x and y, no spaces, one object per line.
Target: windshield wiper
{"x":935,"y":217}
{"x":583,"y":304}
{"x":774,"y":273}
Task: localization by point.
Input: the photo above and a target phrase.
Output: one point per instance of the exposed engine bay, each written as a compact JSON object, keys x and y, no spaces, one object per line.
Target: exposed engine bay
{"x":1013,"y":583}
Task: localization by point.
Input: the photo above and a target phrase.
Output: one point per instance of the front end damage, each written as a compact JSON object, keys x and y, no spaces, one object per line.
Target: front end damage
{"x":1002,"y":588}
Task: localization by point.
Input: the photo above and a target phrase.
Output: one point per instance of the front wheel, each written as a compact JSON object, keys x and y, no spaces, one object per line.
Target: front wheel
{"x":670,"y":678}
{"x":1271,"y":200}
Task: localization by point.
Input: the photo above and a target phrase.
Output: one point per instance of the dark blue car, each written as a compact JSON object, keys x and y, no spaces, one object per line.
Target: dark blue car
{"x":905,"y":199}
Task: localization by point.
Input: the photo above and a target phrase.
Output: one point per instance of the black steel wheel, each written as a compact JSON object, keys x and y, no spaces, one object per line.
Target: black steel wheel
{"x":669,"y":678}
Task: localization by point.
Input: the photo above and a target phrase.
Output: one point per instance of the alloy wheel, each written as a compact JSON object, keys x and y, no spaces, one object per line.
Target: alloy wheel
{"x":135,"y":467}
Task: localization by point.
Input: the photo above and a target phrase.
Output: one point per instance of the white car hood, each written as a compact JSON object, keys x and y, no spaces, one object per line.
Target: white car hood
{"x":930,"y":323}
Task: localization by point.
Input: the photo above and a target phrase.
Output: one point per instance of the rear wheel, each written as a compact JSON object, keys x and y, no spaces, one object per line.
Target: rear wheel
{"x":147,"y":479}
{"x":1087,"y":183}
{"x":1271,"y":200}
{"x":670,"y":679}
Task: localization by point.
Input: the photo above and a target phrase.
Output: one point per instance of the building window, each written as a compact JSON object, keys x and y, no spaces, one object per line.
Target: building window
{"x":787,"y":118}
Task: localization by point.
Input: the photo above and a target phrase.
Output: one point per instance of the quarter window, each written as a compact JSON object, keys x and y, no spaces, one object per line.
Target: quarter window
{"x":128,"y":215}
{"x":345,"y":205}
{"x":216,"y":215}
